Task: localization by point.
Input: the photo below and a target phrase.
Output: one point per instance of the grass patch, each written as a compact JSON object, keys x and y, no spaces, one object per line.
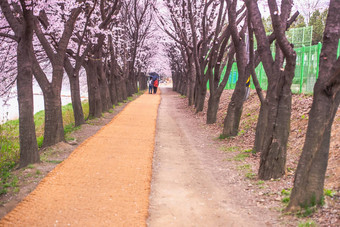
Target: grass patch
{"x":9,"y":139}
{"x":308,"y":223}
{"x":182,"y":96}
{"x":285,"y":200}
{"x":241,"y":132}
{"x":250,"y":175}
{"x":30,"y":166}
{"x":248,"y":151}
{"x":329,"y":192}
{"x":241,"y":157}
{"x":286,"y":192}
{"x":130,"y":98}
{"x":54,"y":161}
{"x":119,"y":104}
{"x":260,"y":182}
{"x":242,"y":167}
{"x":228,"y":149}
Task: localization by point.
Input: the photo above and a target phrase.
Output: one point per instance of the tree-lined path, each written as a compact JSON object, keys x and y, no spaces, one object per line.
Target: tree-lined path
{"x":104,"y":182}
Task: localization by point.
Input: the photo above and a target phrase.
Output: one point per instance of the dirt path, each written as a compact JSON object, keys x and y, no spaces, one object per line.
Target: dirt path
{"x":104,"y":182}
{"x":189,"y":186}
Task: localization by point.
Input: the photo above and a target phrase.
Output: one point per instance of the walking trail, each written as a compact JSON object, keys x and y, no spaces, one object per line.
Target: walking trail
{"x":106,"y":180}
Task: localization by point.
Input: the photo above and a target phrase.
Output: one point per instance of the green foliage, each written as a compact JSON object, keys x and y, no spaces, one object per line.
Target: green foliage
{"x":241,"y":157}
{"x":308,"y":223}
{"x":285,"y":200}
{"x":86,"y":109}
{"x":7,"y":181}
{"x":286,"y":192}
{"x":299,"y":22}
{"x":246,"y":166}
{"x":130,"y":98}
{"x":329,"y":192}
{"x":182,"y":96}
{"x":222,"y":137}
{"x":306,"y":212}
{"x":241,"y":132}
{"x":318,"y":21}
{"x":260,"y":182}
{"x":9,"y":139}
{"x":267,"y":23}
{"x":9,"y":146}
{"x":30,"y":166}
{"x":40,"y":141}
{"x":248,"y":151}
{"x":119,"y":103}
{"x":229,"y":149}
{"x":54,"y":161}
{"x":250,"y":175}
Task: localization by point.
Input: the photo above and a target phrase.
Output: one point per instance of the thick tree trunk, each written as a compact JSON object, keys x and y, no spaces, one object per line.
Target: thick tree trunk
{"x":54,"y":129}
{"x":235,"y":107}
{"x":104,"y":91}
{"x":112,"y":88}
{"x":261,"y":127}
{"x":311,"y":170}
{"x":76,"y":101}
{"x":213,"y":105}
{"x":124,"y":89}
{"x":201,"y":93}
{"x":274,"y":147}
{"x":95,"y":102}
{"x":119,"y":87}
{"x":28,"y":142}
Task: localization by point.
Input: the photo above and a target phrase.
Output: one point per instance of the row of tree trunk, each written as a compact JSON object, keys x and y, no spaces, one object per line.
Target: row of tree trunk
{"x":108,"y":82}
{"x":273,"y":125}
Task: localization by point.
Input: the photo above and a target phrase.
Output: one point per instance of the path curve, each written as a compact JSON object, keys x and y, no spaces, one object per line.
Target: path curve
{"x":104,"y":182}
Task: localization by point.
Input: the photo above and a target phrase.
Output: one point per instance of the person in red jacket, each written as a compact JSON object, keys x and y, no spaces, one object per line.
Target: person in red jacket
{"x":155,"y":85}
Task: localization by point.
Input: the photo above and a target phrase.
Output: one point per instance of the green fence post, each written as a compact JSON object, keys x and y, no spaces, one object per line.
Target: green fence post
{"x":301,"y":67}
{"x":318,"y":60}
{"x":338,"y":49}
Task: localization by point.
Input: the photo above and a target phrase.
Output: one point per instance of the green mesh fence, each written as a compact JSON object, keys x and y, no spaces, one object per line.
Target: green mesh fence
{"x":306,"y":71}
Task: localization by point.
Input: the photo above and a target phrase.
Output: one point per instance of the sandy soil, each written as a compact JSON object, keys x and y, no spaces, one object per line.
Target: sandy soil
{"x":104,"y":182}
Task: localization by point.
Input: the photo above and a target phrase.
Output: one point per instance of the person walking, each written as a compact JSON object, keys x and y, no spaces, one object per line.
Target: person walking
{"x":150,"y":85}
{"x":155,"y":85}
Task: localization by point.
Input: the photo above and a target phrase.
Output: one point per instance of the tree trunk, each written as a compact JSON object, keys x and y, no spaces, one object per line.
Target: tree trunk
{"x":95,"y":103}
{"x":104,"y":90}
{"x":261,"y":127}
{"x":201,"y":94}
{"x":213,"y":105}
{"x":311,"y":170}
{"x":112,"y":88}
{"x":235,"y":107}
{"x":28,"y":142}
{"x":76,"y":100}
{"x":274,"y":147}
{"x":54,"y":129}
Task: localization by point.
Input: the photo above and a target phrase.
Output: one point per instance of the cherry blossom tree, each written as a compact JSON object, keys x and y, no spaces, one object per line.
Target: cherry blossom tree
{"x":310,"y":174}
{"x":18,"y":26}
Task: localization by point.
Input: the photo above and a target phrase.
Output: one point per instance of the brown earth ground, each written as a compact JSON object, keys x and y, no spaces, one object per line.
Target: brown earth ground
{"x":207,"y":180}
{"x":104,"y":182}
{"x":235,"y":168}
